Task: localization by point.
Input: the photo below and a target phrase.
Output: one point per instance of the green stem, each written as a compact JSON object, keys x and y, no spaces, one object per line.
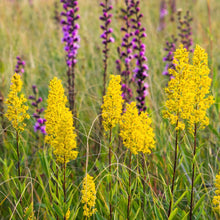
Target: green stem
{"x":18,"y":155}
{"x":174,"y":170}
{"x":193,"y":170}
{"x":64,"y":184}
{"x":129,"y":188}
{"x":57,"y":170}
{"x":110,"y":183}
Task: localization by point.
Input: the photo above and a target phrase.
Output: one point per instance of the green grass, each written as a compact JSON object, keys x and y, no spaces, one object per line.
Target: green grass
{"x":32,"y":33}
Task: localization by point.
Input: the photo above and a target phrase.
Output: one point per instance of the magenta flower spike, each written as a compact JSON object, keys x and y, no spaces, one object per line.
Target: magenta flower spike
{"x":40,"y":122}
{"x":125,"y":51}
{"x":106,"y":36}
{"x":71,"y":39}
{"x":168,"y":59}
{"x":185,"y":30}
{"x":19,"y":68}
{"x":141,"y":69}
{"x":163,"y":13}
{"x":185,"y":38}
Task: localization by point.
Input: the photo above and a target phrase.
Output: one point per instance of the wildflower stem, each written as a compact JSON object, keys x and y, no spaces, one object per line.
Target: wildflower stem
{"x":174,"y":170}
{"x":110,"y":183}
{"x":64,"y":184}
{"x":143,"y":181}
{"x":129,"y":187}
{"x":18,"y":155}
{"x":57,"y":170}
{"x":193,"y":170}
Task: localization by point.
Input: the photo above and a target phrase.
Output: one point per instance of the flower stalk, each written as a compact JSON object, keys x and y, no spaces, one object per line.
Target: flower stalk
{"x":72,"y":40}
{"x":193,"y":170}
{"x":106,"y":18}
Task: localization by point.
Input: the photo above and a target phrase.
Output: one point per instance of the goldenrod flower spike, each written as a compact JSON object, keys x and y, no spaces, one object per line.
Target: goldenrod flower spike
{"x":216,"y":198}
{"x":59,"y":124}
{"x":201,"y":84}
{"x":136,"y":130}
{"x":179,"y":104}
{"x":56,"y":105}
{"x":112,"y":103}
{"x":16,"y":109}
{"x":88,"y":196}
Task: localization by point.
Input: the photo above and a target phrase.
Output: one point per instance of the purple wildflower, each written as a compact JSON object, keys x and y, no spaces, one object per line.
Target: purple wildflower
{"x":125,"y":52}
{"x":185,"y":30}
{"x":185,"y":38}
{"x":163,"y":13}
{"x":140,"y":48}
{"x":40,"y":122}
{"x":72,"y":40}
{"x":173,"y":9}
{"x":106,"y":36}
{"x":170,"y":48}
{"x":19,"y":68}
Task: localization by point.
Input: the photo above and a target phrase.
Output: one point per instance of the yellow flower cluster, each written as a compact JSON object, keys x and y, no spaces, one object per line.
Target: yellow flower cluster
{"x":179,"y":92}
{"x":16,"y":111}
{"x":201,"y":83}
{"x":59,"y":124}
{"x":188,"y":92}
{"x":88,"y":196}
{"x":216,"y":199}
{"x":31,"y":215}
{"x":136,"y":130}
{"x":112,"y":103}
{"x":68,"y":214}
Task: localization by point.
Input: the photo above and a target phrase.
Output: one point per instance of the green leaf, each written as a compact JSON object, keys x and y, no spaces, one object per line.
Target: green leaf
{"x":180,"y":199}
{"x":58,"y":210}
{"x":198,"y":204}
{"x":173,"y":214}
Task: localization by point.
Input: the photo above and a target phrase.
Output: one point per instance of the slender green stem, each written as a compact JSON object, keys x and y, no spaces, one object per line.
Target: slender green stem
{"x":174,"y":170}
{"x":143,"y":181}
{"x":193,"y":170}
{"x":18,"y":155}
{"x":129,"y":188}
{"x":110,"y":181}
{"x":64,"y":184}
{"x":57,"y":192}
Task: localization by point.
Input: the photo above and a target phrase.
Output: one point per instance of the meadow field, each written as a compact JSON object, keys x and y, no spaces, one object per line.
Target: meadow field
{"x":73,"y":143}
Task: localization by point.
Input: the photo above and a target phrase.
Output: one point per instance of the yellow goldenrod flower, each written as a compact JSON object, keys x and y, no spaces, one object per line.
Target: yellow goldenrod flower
{"x":136,"y":130}
{"x":201,"y":84}
{"x":59,"y":124}
{"x":16,"y":111}
{"x":180,"y":96}
{"x":68,"y":214}
{"x":31,"y":215}
{"x":216,"y":199}
{"x":88,"y":196}
{"x":112,"y":103}
{"x":56,"y":105}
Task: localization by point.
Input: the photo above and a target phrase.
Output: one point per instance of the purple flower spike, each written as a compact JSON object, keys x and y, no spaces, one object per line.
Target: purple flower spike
{"x":106,"y":36}
{"x":125,"y":52}
{"x":19,"y":68}
{"x":185,"y":30}
{"x":70,"y":30}
{"x":72,"y":43}
{"x":40,"y":122}
{"x":185,"y":38}
{"x":170,"y":48}
{"x":139,"y":50}
{"x":163,"y":13}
